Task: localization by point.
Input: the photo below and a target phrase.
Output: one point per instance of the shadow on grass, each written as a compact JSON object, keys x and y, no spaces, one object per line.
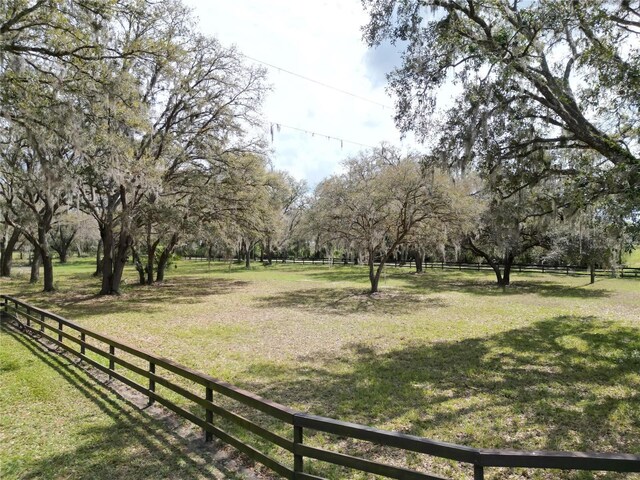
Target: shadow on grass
{"x":475,"y":283}
{"x":413,"y":294}
{"x":347,"y":301}
{"x":466,"y":283}
{"x":136,"y":298}
{"x":343,"y":273}
{"x":101,"y":451}
{"x":563,"y":383}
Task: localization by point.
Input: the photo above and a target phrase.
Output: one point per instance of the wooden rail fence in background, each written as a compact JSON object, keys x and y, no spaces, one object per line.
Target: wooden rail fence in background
{"x":622,"y":271}
{"x":74,"y":339}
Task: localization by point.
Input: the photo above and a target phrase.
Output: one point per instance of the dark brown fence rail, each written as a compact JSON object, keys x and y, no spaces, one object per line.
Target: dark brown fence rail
{"x":67,"y":335}
{"x":622,"y":271}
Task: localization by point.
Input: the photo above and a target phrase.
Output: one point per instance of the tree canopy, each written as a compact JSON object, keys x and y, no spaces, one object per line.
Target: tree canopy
{"x":561,"y":76}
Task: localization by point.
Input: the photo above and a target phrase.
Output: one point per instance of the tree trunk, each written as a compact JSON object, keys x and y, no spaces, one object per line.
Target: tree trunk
{"x":35,"y":267}
{"x":62,"y":243}
{"x":7,"y":257}
{"x":374,"y":273}
{"x":376,"y":278}
{"x":99,"y":262}
{"x":372,"y":276}
{"x":418,"y":258}
{"x":241,"y":252}
{"x":494,"y":265}
{"x":496,"y":269}
{"x":506,"y":277}
{"x":162,"y":265}
{"x":115,"y":254}
{"x":106,"y":234}
{"x":269,"y":252}
{"x":247,"y":258}
{"x":47,"y":263}
{"x":138,"y":264}
{"x":45,"y":253}
{"x":592,"y":272}
{"x":120,"y":261}
{"x":165,"y":256}
{"x":151,"y":257}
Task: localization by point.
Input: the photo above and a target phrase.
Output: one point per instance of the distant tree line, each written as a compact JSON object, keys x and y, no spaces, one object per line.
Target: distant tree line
{"x":127,"y":134}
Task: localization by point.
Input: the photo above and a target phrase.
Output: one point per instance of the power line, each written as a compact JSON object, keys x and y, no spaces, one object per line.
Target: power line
{"x":331,"y":87}
{"x":342,"y":141}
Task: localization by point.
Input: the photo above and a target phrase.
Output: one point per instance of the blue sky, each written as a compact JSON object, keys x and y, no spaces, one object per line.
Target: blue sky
{"x":321,"y":40}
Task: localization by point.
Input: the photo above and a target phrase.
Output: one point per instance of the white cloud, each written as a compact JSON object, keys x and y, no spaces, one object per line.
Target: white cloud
{"x":320,"y":40}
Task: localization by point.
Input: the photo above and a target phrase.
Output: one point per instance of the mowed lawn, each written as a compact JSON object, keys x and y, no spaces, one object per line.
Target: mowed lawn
{"x":551,"y":363}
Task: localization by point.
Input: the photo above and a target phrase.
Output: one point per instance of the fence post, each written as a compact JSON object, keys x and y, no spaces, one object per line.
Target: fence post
{"x":83,"y":339}
{"x":208,"y":436}
{"x":152,"y":382}
{"x":112,"y":352}
{"x":28,"y":317}
{"x":42,"y":320}
{"x":298,"y":460}
{"x":478,"y":472}
{"x":59,"y":334}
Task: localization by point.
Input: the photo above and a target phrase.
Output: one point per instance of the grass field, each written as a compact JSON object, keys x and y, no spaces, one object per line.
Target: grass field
{"x":550,"y":363}
{"x":55,"y":423}
{"x":633,"y":259}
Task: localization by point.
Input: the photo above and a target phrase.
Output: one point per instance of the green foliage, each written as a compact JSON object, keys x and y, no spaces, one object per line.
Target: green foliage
{"x":541,"y":83}
{"x":632,"y":259}
{"x":381,"y":202}
{"x":147,"y":123}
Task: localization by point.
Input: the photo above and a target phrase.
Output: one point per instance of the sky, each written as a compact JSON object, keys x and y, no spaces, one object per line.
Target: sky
{"x":321,"y":40}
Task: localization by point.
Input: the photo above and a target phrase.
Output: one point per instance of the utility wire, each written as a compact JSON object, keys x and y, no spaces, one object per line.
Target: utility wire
{"x":342,"y":141}
{"x":345,"y":92}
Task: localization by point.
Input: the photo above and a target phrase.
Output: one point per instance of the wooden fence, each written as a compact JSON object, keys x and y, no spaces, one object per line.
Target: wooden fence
{"x":75,"y":340}
{"x":622,"y":271}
